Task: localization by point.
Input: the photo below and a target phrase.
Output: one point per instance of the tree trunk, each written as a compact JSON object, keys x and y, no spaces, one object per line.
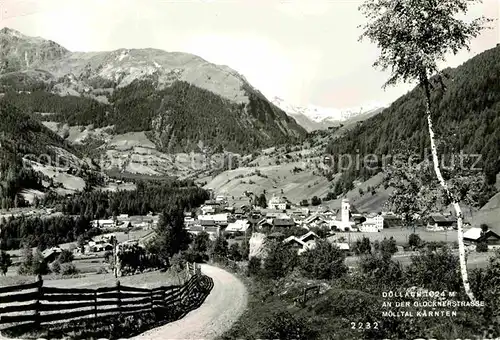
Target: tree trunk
{"x":456,"y":206}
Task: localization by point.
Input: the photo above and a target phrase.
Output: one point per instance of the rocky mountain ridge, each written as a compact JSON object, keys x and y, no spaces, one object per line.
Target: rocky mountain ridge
{"x":313,"y":117}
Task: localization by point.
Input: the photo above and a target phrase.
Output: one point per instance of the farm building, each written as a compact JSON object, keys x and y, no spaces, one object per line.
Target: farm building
{"x":239,"y":225}
{"x":50,"y":255}
{"x":283,"y":221}
{"x":440,"y":221}
{"x":476,"y":235}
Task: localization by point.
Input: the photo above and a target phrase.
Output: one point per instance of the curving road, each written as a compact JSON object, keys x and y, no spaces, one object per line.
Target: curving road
{"x":224,"y":305}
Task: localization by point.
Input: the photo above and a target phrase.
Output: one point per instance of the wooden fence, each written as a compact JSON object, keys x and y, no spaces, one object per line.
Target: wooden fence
{"x":306,"y":295}
{"x":37,"y":304}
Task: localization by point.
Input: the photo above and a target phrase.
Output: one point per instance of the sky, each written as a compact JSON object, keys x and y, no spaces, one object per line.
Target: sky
{"x":305,"y":51}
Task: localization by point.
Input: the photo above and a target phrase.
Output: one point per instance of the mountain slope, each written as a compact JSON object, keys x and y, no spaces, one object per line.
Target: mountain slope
{"x":180,"y":99}
{"x":466,"y":117}
{"x":27,"y":149}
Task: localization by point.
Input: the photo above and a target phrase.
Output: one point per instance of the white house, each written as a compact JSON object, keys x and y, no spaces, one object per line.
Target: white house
{"x":239,"y":225}
{"x":220,"y":219}
{"x":220,"y":199}
{"x":277,"y":203}
{"x":373,"y":224}
{"x":103,"y":223}
{"x":302,"y":243}
{"x":368,"y":227}
{"x":207,"y":209}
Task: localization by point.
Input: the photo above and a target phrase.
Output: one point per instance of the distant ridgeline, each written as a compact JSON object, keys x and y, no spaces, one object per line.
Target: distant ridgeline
{"x":178,"y":97}
{"x":466,"y":117}
{"x":178,"y":117}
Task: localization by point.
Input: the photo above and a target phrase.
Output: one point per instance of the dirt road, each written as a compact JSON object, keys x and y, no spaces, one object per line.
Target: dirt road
{"x":221,"y":309}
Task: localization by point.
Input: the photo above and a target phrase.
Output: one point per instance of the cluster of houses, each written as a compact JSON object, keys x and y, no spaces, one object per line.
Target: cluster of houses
{"x":122,"y":221}
{"x":216,"y":216}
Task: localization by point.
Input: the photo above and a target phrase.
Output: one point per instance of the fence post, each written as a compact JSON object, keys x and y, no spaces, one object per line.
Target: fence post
{"x":151,"y":299}
{"x":38,"y":298}
{"x":119,"y":299}
{"x":95,"y":303}
{"x":163,"y":304}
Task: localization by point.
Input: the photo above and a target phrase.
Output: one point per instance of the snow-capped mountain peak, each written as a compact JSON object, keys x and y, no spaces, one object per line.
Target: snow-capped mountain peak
{"x":314,"y":117}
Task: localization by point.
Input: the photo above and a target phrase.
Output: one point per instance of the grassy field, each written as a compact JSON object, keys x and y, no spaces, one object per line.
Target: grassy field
{"x":401,"y":235}
{"x":144,"y":280}
{"x":474,"y":260}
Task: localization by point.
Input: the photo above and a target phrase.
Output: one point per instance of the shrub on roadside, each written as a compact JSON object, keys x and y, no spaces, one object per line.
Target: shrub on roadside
{"x":284,"y":325}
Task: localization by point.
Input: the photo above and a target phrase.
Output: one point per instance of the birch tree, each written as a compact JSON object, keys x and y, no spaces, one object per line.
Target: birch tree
{"x":413,"y":37}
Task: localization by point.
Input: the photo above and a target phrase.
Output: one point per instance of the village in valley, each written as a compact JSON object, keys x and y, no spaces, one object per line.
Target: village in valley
{"x":148,"y":190}
{"x":299,"y":227}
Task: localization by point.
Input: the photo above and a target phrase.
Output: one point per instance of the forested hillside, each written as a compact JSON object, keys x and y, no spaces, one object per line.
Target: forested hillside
{"x":466,"y":114}
{"x":180,"y":98}
{"x":178,"y":116}
{"x":21,"y":135}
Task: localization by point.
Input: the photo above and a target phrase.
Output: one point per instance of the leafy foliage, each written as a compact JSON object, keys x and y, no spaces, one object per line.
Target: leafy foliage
{"x":284,"y":325}
{"x":324,"y":261}
{"x":172,"y":237}
{"x":155,"y":196}
{"x":437,"y":270}
{"x":66,"y":256}
{"x":43,"y":232}
{"x":5,"y":262}
{"x":280,"y":261}
{"x":362,"y":246}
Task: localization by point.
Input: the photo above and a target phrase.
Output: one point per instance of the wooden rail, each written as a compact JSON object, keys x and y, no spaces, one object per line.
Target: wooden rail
{"x":34,"y":303}
{"x":304,"y":297}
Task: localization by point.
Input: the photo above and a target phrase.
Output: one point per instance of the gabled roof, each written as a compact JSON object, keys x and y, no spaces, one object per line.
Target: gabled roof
{"x":313,"y":218}
{"x":294,"y":239}
{"x":476,"y":234}
{"x":239,"y":225}
{"x":441,"y":218}
{"x":54,"y":250}
{"x":283,"y":222}
{"x":308,"y":236}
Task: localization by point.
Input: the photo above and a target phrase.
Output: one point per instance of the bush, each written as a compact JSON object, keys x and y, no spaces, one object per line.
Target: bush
{"x":437,"y":270}
{"x":69,"y":269}
{"x":66,"y":256}
{"x":284,"y":325}
{"x":414,"y":241}
{"x":39,"y":265}
{"x":56,"y":267}
{"x":234,"y":252}
{"x":381,"y":269}
{"x":254,"y":266}
{"x":388,"y":247}
{"x":5,"y":262}
{"x":324,"y":262}
{"x":315,"y":201}
{"x":482,"y":247}
{"x":362,"y":246}
{"x":280,"y":261}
